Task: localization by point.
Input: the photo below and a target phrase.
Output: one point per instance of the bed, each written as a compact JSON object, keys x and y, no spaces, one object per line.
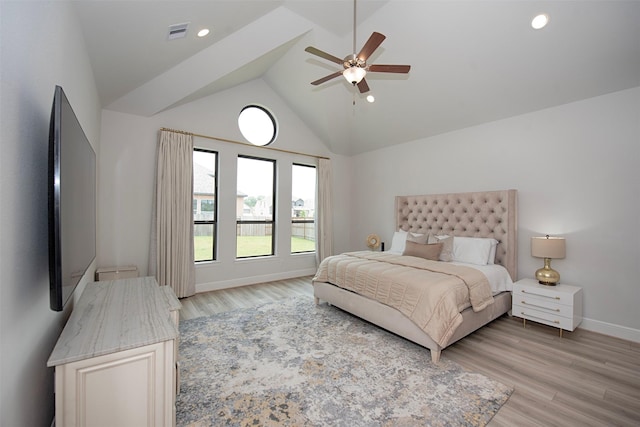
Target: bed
{"x":349,"y":281}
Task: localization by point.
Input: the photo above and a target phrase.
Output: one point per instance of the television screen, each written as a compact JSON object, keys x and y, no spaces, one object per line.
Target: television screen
{"x":72,"y":202}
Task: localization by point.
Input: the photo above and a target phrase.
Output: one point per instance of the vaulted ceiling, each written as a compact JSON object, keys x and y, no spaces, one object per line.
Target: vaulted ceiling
{"x":471,"y":61}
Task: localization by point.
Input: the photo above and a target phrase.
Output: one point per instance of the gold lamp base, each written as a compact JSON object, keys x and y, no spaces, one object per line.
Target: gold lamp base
{"x":546,"y":275}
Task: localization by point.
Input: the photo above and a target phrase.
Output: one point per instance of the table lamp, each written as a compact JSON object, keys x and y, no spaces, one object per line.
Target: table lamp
{"x":547,"y":247}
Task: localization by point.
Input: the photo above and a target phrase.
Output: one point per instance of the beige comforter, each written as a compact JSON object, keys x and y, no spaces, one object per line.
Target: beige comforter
{"x":431,"y":293}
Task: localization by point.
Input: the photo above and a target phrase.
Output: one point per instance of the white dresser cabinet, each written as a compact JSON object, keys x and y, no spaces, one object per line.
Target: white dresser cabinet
{"x":559,"y":306}
{"x":116,"y":273}
{"x":115,"y":361}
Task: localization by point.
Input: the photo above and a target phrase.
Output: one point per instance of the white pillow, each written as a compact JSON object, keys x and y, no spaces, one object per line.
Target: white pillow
{"x":398,"y":242}
{"x":472,"y":250}
{"x":492,"y":254}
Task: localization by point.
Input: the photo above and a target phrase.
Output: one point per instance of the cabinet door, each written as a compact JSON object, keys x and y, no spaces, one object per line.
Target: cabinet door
{"x":128,"y":388}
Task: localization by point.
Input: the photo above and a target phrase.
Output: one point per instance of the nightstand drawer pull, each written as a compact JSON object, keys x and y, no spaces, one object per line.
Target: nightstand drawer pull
{"x":538,"y":295}
{"x":536,"y":317}
{"x":540,"y":306}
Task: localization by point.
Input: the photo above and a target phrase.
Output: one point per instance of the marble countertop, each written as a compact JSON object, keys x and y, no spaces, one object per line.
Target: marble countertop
{"x":116,"y":315}
{"x":171,"y":298}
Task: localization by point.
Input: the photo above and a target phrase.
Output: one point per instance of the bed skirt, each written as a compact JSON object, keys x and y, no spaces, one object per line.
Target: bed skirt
{"x":392,"y":320}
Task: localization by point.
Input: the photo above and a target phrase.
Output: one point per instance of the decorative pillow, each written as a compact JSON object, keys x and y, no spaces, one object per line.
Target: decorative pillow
{"x":472,"y":250}
{"x":426,"y":251}
{"x":398,"y":242}
{"x":446,"y":254}
{"x":422,"y":239}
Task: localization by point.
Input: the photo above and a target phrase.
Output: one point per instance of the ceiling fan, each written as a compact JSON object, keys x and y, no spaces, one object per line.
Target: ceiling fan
{"x":355,"y":66}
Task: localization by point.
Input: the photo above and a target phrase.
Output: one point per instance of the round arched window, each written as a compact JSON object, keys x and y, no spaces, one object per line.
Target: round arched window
{"x":257,"y":125}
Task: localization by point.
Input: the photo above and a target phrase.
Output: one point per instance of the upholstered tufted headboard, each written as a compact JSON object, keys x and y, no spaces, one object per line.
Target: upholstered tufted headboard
{"x":481,"y":214}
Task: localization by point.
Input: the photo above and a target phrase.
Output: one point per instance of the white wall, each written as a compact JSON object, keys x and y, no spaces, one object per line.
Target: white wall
{"x":127,"y":165}
{"x":573,"y":165}
{"x":576,"y":170}
{"x":40,"y":46}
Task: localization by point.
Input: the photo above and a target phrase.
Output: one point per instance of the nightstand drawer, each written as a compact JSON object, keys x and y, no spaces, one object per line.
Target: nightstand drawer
{"x":544,"y":317}
{"x":542,"y":294}
{"x":548,"y":306}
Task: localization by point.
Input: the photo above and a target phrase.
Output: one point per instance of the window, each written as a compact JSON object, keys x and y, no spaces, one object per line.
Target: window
{"x":207,"y":205}
{"x":303,"y":224}
{"x":258,"y":125}
{"x":255,"y":207}
{"x":205,"y":186}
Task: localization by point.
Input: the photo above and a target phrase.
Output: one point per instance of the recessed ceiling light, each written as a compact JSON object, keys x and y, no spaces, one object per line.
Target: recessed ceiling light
{"x":203,"y":32}
{"x":371,"y":98}
{"x":540,"y":21}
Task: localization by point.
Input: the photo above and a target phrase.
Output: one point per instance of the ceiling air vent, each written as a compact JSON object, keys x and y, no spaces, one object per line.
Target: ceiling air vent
{"x":177,"y":31}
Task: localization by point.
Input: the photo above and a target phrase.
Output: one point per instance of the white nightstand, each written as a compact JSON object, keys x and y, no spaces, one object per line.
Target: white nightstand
{"x":559,"y":306}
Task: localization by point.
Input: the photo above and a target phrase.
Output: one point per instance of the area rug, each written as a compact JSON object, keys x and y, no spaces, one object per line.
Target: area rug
{"x":292,"y":363}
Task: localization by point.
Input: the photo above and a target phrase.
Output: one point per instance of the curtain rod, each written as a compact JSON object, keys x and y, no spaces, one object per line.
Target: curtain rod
{"x":244,"y":143}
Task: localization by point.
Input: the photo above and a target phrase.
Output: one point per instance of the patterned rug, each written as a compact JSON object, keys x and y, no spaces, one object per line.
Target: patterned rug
{"x":293,"y":363}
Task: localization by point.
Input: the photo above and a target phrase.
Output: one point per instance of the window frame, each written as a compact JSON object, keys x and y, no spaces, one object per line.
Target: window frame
{"x":240,"y":221}
{"x":213,"y":222}
{"x":304,"y":221}
{"x":248,"y":124}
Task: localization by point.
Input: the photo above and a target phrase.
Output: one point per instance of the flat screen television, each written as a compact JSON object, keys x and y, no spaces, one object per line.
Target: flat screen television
{"x":71,"y":202}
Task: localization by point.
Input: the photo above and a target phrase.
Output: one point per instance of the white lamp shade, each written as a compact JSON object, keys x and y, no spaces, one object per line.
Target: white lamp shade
{"x":548,"y":247}
{"x":354,"y":75}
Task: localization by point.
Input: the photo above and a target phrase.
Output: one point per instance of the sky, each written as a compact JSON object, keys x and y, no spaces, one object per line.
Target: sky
{"x":254,"y":177}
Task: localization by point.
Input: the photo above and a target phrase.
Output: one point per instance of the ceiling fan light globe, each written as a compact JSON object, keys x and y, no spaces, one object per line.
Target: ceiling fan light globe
{"x":354,"y":75}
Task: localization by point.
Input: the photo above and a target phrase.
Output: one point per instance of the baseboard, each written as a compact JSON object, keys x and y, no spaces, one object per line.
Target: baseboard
{"x":252,"y":280}
{"x":622,"y":332}
{"x":611,"y":329}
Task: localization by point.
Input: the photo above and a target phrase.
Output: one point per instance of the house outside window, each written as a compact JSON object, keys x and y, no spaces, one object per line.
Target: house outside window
{"x":207,"y":208}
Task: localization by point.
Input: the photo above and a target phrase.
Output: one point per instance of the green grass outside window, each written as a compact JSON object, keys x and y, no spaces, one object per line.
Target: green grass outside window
{"x":249,"y":246}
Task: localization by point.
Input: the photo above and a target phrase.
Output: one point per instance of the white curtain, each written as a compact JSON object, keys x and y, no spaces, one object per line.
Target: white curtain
{"x":324,"y":211}
{"x":171,"y":259}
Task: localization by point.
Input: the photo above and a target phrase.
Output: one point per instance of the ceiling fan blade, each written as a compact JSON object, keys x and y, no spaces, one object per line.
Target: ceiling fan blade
{"x":371,"y":45}
{"x":324,"y":55}
{"x":363,"y":87}
{"x":327,"y":78}
{"x":389,"y":68}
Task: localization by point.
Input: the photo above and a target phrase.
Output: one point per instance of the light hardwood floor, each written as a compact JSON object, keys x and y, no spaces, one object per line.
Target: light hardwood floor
{"x":581,"y":379}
